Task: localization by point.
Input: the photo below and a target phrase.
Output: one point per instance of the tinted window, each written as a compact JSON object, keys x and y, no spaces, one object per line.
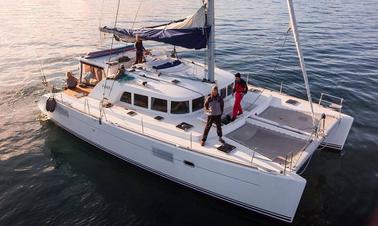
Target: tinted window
{"x":197,"y":104}
{"x":180,"y":107}
{"x":158,"y":104}
{"x":223,"y":92}
{"x":229,"y":89}
{"x":126,"y":97}
{"x":141,"y":100}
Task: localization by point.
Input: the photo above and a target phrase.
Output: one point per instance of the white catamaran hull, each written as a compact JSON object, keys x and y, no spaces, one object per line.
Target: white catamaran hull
{"x":275,"y":195}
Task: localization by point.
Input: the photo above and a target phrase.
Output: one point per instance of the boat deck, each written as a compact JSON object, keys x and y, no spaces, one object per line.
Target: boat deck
{"x":295,"y":119}
{"x":273,"y":145}
{"x":78,"y":91}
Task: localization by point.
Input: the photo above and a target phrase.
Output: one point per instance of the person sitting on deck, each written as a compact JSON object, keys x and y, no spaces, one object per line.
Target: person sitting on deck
{"x":214,"y":107}
{"x":240,"y":88}
{"x":71,"y":80}
{"x":120,"y":72}
{"x":139,"y":50}
{"x":90,"y":77}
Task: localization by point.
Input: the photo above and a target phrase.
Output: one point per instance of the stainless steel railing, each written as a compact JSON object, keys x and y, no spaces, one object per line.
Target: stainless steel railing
{"x":333,"y":102}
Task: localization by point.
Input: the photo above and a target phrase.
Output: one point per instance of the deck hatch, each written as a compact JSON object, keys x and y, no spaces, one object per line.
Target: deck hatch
{"x":131,"y":113}
{"x":184,"y":126}
{"x":292,"y":102}
{"x":226,"y":148}
{"x":175,"y":81}
{"x":159,"y":118}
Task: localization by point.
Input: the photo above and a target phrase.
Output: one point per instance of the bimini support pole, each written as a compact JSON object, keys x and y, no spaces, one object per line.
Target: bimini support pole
{"x":211,"y":41}
{"x":294,"y":28}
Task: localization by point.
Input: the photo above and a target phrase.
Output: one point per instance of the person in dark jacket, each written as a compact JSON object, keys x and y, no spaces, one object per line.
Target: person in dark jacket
{"x":240,"y":88}
{"x":214,"y":107}
{"x":139,"y":50}
{"x":71,"y":80}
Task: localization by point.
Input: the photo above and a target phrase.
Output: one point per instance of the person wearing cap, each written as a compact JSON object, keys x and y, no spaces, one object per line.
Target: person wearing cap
{"x":214,"y":107}
{"x":240,"y":88}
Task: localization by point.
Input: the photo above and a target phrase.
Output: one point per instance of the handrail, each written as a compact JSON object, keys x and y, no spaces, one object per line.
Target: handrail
{"x":142,"y":124}
{"x":289,"y":164}
{"x":253,"y":155}
{"x":339,"y":104}
{"x":61,"y":97}
{"x":329,"y":104}
{"x":191,"y":140}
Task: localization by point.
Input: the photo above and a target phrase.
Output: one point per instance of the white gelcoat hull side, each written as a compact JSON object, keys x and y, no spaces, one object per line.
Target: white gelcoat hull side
{"x":337,"y":137}
{"x":271,"y":194}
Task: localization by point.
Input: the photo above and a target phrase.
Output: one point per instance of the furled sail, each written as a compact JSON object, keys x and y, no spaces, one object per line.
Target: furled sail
{"x":191,"y":32}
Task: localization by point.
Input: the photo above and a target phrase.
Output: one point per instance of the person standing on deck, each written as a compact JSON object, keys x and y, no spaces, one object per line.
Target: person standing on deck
{"x":240,"y":88}
{"x":214,"y":107}
{"x":139,"y":50}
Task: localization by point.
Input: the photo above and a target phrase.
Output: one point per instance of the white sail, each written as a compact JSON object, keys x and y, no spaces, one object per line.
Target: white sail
{"x":196,"y":20}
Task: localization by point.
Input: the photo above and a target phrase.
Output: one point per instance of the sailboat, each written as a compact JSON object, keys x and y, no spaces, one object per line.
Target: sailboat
{"x":151,"y":114}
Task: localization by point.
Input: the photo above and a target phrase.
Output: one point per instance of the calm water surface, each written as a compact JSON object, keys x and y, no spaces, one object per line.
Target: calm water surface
{"x":47,"y":176}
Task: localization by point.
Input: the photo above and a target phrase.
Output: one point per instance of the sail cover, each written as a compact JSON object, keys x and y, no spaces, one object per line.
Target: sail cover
{"x":191,"y":32}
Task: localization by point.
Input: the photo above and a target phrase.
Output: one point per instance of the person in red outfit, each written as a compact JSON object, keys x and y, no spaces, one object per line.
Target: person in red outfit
{"x":240,"y":88}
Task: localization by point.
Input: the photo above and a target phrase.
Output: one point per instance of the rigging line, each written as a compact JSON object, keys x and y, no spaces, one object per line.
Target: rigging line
{"x":100,"y":22}
{"x":276,"y":63}
{"x":101,"y":14}
{"x":110,"y":55}
{"x":279,"y":56}
{"x":40,"y":66}
{"x":136,"y":14}
{"x":308,"y":142}
{"x":111,"y":49}
{"x":273,"y":43}
{"x":308,"y":163}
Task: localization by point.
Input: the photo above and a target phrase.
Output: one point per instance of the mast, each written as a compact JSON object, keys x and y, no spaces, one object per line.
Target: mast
{"x":293,"y":22}
{"x":211,"y":41}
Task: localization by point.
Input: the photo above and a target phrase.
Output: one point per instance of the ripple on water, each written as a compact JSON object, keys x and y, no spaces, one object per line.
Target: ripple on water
{"x":50,"y":177}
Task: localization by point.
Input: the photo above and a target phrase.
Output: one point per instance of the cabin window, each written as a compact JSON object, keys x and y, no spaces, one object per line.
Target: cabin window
{"x":223,"y":92}
{"x":126,"y":97}
{"x":198,"y":103}
{"x":230,"y":88}
{"x":141,"y":100}
{"x":90,"y":74}
{"x":179,"y":107}
{"x":159,"y":104}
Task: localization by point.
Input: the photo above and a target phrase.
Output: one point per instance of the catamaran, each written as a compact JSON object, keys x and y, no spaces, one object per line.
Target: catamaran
{"x":151,"y":114}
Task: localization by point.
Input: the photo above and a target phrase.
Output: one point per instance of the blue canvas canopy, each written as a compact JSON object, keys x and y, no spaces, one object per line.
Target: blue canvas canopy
{"x":191,"y":32}
{"x":194,"y":38}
